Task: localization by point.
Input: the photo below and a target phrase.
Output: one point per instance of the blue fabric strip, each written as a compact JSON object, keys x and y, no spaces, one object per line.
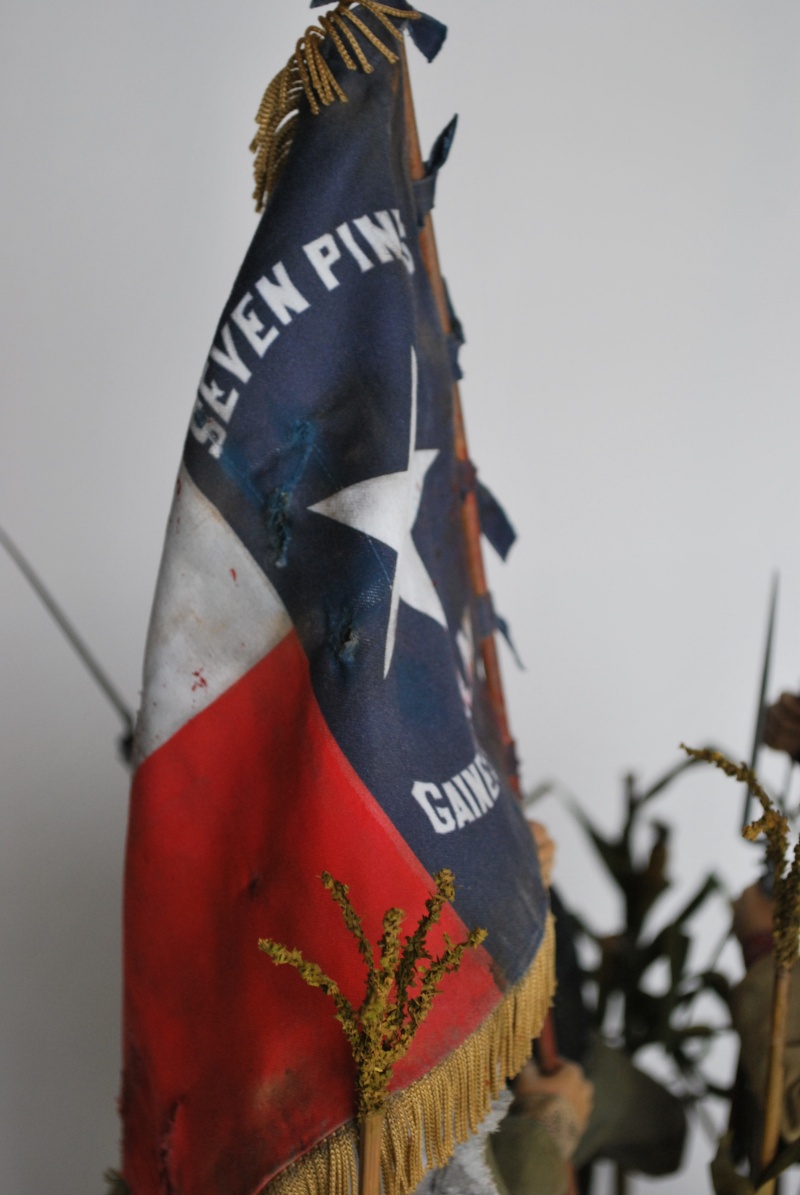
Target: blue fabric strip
{"x":495,"y":523}
{"x":425,"y":187}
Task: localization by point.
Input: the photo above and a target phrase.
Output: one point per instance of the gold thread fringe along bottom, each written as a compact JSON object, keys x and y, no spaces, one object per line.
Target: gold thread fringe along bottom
{"x":442,"y":1108}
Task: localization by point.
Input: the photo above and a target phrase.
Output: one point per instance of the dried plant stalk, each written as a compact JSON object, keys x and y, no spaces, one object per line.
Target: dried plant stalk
{"x":775,"y":828}
{"x":401,"y":983}
{"x":785,"y":931}
{"x":369,"y":1152}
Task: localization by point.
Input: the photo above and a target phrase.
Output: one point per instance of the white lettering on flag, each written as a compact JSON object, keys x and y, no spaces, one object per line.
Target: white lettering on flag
{"x":281,"y":296}
{"x":425,"y":792}
{"x":251,"y":326}
{"x":321,"y":253}
{"x":384,"y":239}
{"x":384,"y":233}
{"x":229,"y":357}
{"x":222,"y":404}
{"x":353,"y":248}
{"x":462,"y":799}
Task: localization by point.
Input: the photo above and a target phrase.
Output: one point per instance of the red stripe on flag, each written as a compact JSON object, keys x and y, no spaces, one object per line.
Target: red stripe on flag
{"x":234,"y":1067}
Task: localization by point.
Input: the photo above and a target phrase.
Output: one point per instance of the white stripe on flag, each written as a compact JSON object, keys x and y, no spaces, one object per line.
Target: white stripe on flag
{"x":215,"y":615}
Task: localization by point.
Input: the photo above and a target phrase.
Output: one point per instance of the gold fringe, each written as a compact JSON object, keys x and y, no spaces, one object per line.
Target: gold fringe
{"x":445,"y":1106}
{"x":307,"y":73}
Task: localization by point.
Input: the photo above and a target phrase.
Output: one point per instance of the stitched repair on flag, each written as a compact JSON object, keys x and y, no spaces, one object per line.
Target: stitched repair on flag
{"x":278,"y":501}
{"x":344,"y":638}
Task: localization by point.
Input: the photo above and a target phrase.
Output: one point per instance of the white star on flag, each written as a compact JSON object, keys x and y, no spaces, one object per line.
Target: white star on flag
{"x":385,"y":508}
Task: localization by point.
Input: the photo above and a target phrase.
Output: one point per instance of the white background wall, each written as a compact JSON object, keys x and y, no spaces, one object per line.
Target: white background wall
{"x":620,"y":227}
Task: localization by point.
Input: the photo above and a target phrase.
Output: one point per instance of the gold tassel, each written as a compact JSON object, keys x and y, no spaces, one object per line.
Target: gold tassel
{"x":307,"y":73}
{"x":445,"y":1106}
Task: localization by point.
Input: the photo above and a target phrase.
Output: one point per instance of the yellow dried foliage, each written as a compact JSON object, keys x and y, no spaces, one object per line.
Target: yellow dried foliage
{"x":402,"y":980}
{"x":775,"y":828}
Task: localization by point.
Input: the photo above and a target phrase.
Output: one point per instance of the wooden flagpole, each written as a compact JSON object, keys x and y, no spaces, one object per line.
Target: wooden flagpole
{"x":775,"y":1072}
{"x":472,"y":528}
{"x":548,"y":1051}
{"x":369,"y":1153}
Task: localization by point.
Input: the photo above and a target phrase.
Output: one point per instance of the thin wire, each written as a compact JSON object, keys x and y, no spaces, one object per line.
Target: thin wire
{"x":69,"y":631}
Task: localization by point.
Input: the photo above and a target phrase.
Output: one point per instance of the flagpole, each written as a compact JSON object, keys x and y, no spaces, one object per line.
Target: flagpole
{"x":761,"y":707}
{"x":773,"y":1104}
{"x":470,"y":514}
{"x":548,"y":1049}
{"x":369,"y":1153}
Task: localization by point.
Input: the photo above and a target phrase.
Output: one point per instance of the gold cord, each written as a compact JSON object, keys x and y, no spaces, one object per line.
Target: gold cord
{"x":308,"y":74}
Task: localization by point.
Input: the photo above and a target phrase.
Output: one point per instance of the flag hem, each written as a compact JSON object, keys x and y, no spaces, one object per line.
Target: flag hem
{"x":435,"y":1113}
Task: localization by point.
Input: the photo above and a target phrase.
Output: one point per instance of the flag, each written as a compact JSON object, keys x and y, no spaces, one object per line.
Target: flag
{"x":313,"y":694}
